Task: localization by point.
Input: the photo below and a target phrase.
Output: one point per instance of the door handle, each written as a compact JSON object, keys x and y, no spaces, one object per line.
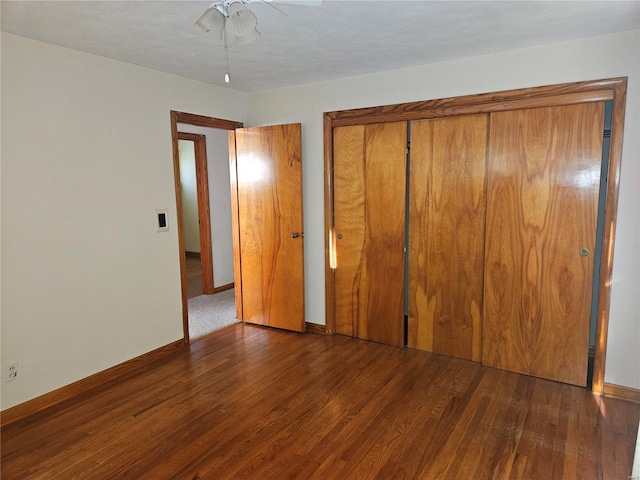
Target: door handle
{"x":295,"y":235}
{"x":339,"y":236}
{"x":584,"y":252}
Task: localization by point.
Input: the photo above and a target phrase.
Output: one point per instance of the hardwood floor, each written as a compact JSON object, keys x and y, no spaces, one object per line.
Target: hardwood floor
{"x":259,"y":403}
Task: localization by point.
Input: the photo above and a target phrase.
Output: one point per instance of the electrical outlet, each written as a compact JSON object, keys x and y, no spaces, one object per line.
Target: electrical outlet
{"x":12,"y":371}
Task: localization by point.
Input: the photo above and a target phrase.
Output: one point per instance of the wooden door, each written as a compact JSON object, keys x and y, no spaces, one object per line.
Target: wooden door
{"x":369,"y":220}
{"x":446,"y":235}
{"x":543,"y":180}
{"x":269,"y":204}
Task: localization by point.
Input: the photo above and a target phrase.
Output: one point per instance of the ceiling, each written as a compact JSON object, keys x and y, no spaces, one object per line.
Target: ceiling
{"x":338,"y":39}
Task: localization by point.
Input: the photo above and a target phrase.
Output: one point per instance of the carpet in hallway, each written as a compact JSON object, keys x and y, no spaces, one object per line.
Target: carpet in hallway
{"x":208,"y":313}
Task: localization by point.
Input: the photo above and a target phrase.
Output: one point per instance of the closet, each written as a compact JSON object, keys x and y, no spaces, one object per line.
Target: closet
{"x":446,"y":234}
{"x":370,"y":176}
{"x":467,"y":226}
{"x":542,"y":201}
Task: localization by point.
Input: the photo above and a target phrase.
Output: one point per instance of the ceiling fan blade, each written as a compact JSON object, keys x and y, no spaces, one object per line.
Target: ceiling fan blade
{"x":269,"y":4}
{"x":308,"y":3}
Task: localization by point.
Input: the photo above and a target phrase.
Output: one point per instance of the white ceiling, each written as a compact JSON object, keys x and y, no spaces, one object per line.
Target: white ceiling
{"x":338,"y":39}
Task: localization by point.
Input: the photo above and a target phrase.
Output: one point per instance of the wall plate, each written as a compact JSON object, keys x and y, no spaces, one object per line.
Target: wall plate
{"x":162,"y":219}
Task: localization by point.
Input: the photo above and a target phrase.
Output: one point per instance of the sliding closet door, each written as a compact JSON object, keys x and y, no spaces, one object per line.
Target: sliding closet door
{"x":543,"y":179}
{"x":446,"y":234}
{"x":369,"y":220}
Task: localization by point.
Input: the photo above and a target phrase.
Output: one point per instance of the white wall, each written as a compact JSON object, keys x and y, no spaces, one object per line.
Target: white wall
{"x":87,"y":283}
{"x":219,"y":200}
{"x":189,"y":194}
{"x":594,"y":58}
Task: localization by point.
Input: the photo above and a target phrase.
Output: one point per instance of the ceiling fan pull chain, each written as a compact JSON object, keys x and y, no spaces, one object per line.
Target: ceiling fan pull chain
{"x":227,"y":77}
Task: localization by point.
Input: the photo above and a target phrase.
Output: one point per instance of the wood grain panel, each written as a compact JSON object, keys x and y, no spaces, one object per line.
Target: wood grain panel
{"x":609,"y":233}
{"x":446,"y":235}
{"x":202,"y":121}
{"x":181,"y":244}
{"x":622,"y":392}
{"x":369,"y":216}
{"x":269,"y":176}
{"x":235,"y":226}
{"x":204,"y":215}
{"x":330,"y":232}
{"x":543,"y":181}
{"x":349,"y":222}
{"x":544,"y":96}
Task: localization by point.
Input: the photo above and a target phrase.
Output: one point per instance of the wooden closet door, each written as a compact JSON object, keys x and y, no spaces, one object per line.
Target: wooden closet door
{"x":543,"y":180}
{"x":446,"y":234}
{"x":369,"y":220}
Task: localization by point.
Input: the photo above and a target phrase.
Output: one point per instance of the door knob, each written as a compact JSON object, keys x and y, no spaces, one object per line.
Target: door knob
{"x":295,"y":235}
{"x":584,"y":252}
{"x":339,"y":236}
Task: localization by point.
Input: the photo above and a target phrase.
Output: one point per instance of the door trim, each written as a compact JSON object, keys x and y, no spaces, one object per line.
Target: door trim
{"x":204,"y":212}
{"x":200,"y":121}
{"x":235,"y":224}
{"x":614,"y":89}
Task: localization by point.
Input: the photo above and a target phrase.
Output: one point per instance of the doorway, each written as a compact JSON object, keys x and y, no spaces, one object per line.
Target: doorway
{"x":195,"y":218}
{"x":186,"y":121}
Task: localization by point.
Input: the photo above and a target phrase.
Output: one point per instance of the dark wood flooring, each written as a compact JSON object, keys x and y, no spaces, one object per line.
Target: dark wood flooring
{"x":259,"y":403}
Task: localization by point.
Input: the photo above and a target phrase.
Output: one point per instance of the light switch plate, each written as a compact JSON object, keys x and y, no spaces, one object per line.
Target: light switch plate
{"x":162,"y":219}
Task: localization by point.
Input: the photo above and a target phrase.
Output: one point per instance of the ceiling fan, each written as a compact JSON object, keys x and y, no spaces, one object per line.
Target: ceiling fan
{"x":230,"y":21}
